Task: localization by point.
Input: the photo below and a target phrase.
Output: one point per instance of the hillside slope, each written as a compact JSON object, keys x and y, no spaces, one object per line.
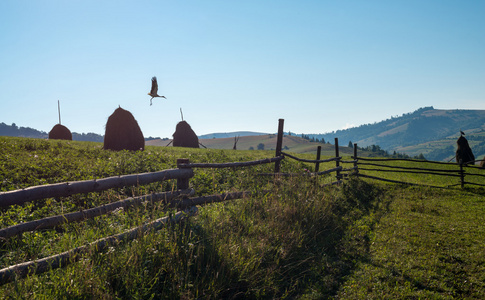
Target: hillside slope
{"x":290,"y":143}
{"x":430,"y":131}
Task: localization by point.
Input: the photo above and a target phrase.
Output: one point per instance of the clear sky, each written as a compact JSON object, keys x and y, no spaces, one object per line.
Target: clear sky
{"x":237,"y":65}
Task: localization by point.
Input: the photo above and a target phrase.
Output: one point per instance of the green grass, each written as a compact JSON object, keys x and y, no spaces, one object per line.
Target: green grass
{"x":423,"y":177}
{"x":363,"y":239}
{"x":294,"y":144}
{"x":428,"y":245}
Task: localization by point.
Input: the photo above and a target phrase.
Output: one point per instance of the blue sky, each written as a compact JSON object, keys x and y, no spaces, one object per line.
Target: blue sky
{"x":237,"y":65}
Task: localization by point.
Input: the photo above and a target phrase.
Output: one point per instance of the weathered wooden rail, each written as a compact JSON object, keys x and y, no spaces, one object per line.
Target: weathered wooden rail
{"x":87,"y":186}
{"x":65,"y":258}
{"x":459,"y":172}
{"x":54,"y":221}
{"x":178,"y":199}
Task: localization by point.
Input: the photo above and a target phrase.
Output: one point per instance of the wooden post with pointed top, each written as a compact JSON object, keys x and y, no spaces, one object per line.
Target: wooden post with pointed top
{"x":462,"y":174}
{"x":356,"y":171}
{"x":337,"y":162}
{"x":317,"y":164}
{"x":182,"y":183}
{"x":279,"y":144}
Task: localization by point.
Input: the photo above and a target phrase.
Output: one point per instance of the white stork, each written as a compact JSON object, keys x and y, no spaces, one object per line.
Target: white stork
{"x":154,"y":90}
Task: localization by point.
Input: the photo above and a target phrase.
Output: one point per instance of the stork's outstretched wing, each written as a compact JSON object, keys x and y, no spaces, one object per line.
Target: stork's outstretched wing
{"x":154,"y":89}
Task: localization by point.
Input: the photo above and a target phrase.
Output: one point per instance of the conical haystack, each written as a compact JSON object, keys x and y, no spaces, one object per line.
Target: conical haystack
{"x":60,"y":132}
{"x":463,"y":151}
{"x":184,"y":136}
{"x":123,"y":132}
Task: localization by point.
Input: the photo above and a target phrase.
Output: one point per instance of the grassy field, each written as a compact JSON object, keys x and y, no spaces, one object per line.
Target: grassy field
{"x":361,"y":240}
{"x":293,"y":144}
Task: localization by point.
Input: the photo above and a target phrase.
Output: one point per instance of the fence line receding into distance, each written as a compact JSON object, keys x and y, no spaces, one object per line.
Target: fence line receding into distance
{"x":180,"y":198}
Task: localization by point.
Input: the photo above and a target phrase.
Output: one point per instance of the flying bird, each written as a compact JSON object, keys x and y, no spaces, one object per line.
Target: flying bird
{"x":154,"y":90}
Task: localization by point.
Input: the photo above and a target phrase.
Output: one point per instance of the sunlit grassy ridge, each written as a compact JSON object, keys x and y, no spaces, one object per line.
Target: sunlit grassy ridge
{"x":291,"y":143}
{"x":363,"y":239}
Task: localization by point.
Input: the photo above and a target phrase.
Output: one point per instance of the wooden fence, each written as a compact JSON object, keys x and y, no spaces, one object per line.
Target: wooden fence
{"x":451,"y":170}
{"x":179,"y":198}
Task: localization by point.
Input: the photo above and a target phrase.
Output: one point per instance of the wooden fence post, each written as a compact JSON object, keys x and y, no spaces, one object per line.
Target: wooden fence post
{"x":279,"y":144}
{"x":317,"y":164}
{"x":182,"y":183}
{"x":462,"y":174}
{"x":337,"y":162}
{"x":356,"y":171}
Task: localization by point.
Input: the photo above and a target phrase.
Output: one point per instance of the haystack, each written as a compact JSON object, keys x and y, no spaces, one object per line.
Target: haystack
{"x":123,"y":132}
{"x":60,"y":132}
{"x":464,"y":152}
{"x":482,"y":163}
{"x":184,"y":136}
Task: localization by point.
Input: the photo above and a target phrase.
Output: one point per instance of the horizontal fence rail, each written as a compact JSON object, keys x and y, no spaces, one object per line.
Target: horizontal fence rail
{"x":189,"y":202}
{"x":63,"y":259}
{"x":71,"y":188}
{"x":51,"y":222}
{"x":230,"y":164}
{"x":329,"y":171}
{"x":394,"y":181}
{"x":407,"y":168}
{"x":413,"y":172}
{"x":459,"y":172}
{"x":402,"y":159}
{"x":311,"y":160}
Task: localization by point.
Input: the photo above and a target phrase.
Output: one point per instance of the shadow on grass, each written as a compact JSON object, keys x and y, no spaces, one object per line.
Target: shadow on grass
{"x":308,"y":250}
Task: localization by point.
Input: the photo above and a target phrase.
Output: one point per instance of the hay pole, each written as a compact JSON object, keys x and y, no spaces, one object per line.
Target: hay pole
{"x":65,"y":258}
{"x":77,"y":187}
{"x":59,"y":110}
{"x":53,"y":221}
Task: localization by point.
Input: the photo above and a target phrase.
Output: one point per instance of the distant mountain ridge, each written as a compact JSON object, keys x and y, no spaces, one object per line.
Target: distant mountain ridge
{"x":220,"y":135}
{"x":431,"y":131}
{"x":14,"y":130}
{"x":428,"y":131}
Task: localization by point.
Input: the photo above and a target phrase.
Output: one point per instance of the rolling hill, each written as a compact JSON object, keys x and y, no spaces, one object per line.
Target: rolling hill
{"x":290,"y":143}
{"x":219,"y":135}
{"x":432,"y":132}
{"x":428,"y":131}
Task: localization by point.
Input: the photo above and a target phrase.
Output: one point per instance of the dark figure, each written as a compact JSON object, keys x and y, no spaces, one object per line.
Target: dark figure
{"x":464,"y":152}
{"x":184,"y":136}
{"x":123,"y":132}
{"x":60,"y":132}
